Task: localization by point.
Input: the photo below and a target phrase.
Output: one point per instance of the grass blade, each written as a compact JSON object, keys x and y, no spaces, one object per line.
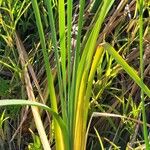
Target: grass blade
{"x":132,"y":73}
{"x":140,"y":4}
{"x":20,"y":102}
{"x":69,"y":50}
{"x":75,"y":65}
{"x":81,"y":103}
{"x":83,"y":100}
{"x":99,"y":138}
{"x":31,"y":96}
{"x":58,"y":134}
{"x":54,"y":42}
{"x":62,"y":37}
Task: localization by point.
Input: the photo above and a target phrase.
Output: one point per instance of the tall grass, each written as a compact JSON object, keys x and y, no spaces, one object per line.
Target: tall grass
{"x":71,"y":105}
{"x":75,"y":80}
{"x":140,"y":4}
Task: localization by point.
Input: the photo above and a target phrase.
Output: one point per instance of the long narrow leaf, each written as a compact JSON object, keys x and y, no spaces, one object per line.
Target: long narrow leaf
{"x":20,"y":102}
{"x":69,"y":50}
{"x":76,"y":62}
{"x":140,"y":4}
{"x":132,"y":73}
{"x":60,"y":143}
{"x":54,"y":42}
{"x":62,"y":37}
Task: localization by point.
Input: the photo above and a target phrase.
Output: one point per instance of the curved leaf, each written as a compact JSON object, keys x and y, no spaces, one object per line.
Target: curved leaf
{"x":8,"y":102}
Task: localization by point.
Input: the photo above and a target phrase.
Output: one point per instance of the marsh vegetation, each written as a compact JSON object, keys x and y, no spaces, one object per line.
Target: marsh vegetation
{"x":74,"y":75}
